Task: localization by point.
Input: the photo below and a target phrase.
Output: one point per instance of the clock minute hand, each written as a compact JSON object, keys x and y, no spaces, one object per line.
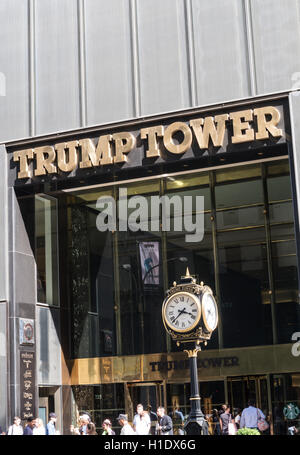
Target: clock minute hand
{"x":180,"y":312}
{"x":185,"y":312}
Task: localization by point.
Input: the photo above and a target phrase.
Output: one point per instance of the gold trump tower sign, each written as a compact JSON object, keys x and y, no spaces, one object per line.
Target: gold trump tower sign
{"x":157,"y":141}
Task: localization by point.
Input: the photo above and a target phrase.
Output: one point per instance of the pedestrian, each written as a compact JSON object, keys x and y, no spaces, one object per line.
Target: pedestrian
{"x":165,"y":424}
{"x":225,"y":419}
{"x":216,"y":422}
{"x":16,"y":428}
{"x":251,"y":415}
{"x":28,"y":430}
{"x":91,"y":429}
{"x":292,"y":430}
{"x":141,"y":421}
{"x":177,"y":419}
{"x":107,"y":430}
{"x":39,"y":428}
{"x":126,"y":427}
{"x":84,"y":420}
{"x":222,"y":410}
{"x":51,"y":425}
{"x":237,"y":418}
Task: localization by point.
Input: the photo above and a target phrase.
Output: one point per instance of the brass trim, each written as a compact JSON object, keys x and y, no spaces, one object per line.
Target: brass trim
{"x":174,"y":174}
{"x":237,"y":207}
{"x":255,"y":360}
{"x":192,"y":352}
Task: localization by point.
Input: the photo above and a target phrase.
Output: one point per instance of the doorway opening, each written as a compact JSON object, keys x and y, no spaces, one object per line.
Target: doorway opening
{"x":49,"y":401}
{"x":150,"y":394}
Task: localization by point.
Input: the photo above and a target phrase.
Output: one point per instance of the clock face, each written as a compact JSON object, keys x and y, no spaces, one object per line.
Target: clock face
{"x":182,"y":312}
{"x":210,"y":312}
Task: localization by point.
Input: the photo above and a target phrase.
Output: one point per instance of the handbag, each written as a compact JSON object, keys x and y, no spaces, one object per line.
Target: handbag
{"x":262,"y":424}
{"x":232,"y":428}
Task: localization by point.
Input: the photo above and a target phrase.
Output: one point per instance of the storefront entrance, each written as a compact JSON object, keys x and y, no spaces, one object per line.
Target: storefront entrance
{"x":149,"y":394}
{"x":50,"y":401}
{"x":241,"y":389}
{"x":146,"y":393}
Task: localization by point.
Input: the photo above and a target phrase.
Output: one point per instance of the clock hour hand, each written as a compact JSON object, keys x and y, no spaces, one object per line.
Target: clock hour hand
{"x":180,"y":312}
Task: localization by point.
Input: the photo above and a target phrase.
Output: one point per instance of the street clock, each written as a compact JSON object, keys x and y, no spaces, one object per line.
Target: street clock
{"x":189,"y":311}
{"x":190,"y":315}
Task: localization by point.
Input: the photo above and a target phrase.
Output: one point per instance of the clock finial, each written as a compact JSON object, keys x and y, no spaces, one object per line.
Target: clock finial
{"x":187,"y":278}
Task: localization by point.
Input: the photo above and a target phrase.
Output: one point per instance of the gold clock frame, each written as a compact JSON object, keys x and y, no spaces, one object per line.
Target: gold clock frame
{"x":196,"y":322}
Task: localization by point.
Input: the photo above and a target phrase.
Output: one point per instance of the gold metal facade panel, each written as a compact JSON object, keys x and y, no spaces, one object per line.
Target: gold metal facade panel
{"x":173,"y":367}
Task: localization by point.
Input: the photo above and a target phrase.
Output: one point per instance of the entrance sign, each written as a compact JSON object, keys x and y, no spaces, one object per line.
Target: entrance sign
{"x":189,"y":137}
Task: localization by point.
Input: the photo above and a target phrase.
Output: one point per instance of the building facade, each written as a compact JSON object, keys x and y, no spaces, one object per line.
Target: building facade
{"x":127,"y":103}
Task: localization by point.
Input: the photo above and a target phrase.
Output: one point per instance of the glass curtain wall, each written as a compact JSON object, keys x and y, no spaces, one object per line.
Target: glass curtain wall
{"x":242,"y":252}
{"x":283,"y":251}
{"x":118,"y":277}
{"x":46,"y":249}
{"x":199,"y":253}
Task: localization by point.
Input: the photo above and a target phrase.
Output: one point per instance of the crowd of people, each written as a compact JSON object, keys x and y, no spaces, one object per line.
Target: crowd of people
{"x":147,"y":422}
{"x":33,"y":426}
{"x":226,"y":422}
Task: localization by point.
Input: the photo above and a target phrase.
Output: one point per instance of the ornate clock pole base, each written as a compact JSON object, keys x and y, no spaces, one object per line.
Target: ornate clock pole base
{"x":196,"y":423}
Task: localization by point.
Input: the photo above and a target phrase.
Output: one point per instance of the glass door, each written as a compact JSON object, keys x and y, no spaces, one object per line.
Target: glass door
{"x":149,"y":394}
{"x":241,"y":389}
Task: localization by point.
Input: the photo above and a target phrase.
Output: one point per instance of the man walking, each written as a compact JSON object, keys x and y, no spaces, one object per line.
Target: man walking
{"x":165,"y":424}
{"x":28,"y":430}
{"x":126,"y":428}
{"x":250,"y":416}
{"x":141,"y":421}
{"x":51,"y":429}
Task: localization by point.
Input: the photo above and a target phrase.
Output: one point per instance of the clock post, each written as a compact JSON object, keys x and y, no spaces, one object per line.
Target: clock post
{"x":190,"y":315}
{"x":196,"y":423}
